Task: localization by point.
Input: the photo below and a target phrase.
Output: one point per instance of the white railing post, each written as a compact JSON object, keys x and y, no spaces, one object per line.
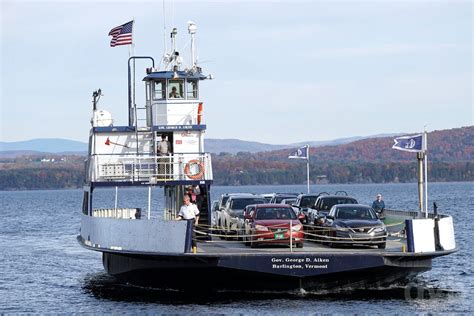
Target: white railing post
{"x":291,"y":235}
{"x":116,"y":197}
{"x":149,"y":201}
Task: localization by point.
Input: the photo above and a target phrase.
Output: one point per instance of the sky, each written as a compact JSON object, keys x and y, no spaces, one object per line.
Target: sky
{"x":285,"y":71}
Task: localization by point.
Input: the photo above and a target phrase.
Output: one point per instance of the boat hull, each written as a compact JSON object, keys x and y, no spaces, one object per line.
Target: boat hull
{"x":272,"y":272}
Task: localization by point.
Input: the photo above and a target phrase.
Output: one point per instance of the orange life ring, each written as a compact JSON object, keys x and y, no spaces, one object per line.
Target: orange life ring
{"x":195,"y":176}
{"x":199,"y":116}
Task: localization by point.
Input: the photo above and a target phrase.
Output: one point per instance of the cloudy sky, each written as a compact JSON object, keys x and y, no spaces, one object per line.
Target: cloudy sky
{"x":285,"y":71}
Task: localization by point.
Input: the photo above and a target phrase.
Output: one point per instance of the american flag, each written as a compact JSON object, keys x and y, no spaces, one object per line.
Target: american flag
{"x":121,"y":35}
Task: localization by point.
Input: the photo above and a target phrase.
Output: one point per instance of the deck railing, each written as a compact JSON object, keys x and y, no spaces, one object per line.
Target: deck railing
{"x":152,"y":169}
{"x":122,"y":213}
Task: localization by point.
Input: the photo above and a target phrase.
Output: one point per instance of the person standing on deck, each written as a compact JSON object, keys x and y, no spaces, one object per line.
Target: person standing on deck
{"x":379,"y":204}
{"x":164,"y":146}
{"x":163,"y":149}
{"x":199,"y":196}
{"x":188,"y":211}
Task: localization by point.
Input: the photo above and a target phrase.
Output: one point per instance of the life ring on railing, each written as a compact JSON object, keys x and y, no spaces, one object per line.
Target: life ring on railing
{"x":195,"y":176}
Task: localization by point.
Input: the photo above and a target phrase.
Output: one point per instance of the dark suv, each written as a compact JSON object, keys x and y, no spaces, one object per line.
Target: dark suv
{"x":277,"y":198}
{"x":323,"y":205}
{"x":303,"y":203}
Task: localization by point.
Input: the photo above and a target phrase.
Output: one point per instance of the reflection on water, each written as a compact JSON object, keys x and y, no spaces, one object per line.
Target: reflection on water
{"x":106,"y":287}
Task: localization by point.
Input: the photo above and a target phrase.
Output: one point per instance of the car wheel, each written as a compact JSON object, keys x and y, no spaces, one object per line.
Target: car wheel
{"x":223,"y":231}
{"x":382,"y":246}
{"x":246,"y":239}
{"x":300,"y":245}
{"x":226,"y":232}
{"x":239,"y":235}
{"x":220,"y":230}
{"x":253,"y":244}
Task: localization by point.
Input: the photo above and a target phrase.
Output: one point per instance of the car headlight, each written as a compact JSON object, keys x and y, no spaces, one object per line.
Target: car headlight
{"x":380,"y":229}
{"x":296,"y":228}
{"x":261,"y":227}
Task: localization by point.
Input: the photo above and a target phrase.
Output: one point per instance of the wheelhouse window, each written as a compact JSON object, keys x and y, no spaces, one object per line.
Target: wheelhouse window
{"x":192,"y":89}
{"x":159,"y":90}
{"x":175,"y":89}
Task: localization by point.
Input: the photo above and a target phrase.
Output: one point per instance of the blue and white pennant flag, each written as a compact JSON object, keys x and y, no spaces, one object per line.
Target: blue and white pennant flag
{"x":301,"y":153}
{"x":413,"y":143}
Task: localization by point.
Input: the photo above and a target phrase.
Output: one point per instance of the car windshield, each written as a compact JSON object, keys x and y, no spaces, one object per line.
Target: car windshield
{"x":289,"y":201}
{"x":327,"y":203}
{"x":240,"y":204}
{"x":268,"y":199}
{"x":355,"y":213}
{"x":308,"y":201}
{"x":275,"y":213}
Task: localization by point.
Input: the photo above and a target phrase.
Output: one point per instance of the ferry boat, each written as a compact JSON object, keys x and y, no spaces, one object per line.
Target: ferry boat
{"x":140,"y":246}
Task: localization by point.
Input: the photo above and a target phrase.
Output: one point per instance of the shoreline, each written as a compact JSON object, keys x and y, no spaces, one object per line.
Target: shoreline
{"x":260,"y":185}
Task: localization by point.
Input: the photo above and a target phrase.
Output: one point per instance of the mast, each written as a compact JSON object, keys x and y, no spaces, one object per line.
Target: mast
{"x":192,"y":30}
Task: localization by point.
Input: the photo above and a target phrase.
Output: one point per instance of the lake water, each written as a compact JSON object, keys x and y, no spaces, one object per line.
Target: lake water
{"x":44,"y":269}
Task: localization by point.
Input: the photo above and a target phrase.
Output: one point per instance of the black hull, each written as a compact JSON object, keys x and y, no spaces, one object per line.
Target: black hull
{"x":254,"y":273}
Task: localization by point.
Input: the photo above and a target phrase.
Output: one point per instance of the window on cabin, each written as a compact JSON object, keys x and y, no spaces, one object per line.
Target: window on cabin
{"x":158,"y":90}
{"x":192,"y":89}
{"x":175,"y":89}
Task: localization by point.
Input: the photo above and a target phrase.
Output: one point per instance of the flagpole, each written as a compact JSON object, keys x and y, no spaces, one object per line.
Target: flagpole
{"x":307,"y":166}
{"x":132,"y":47}
{"x":420,"y":158}
{"x":425,"y":145}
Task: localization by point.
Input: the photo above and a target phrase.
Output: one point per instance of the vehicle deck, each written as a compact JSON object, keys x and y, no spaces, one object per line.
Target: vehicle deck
{"x":223,"y":247}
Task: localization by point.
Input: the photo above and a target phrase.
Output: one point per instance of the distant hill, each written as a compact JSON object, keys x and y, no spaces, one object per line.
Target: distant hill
{"x":234,"y":146}
{"x":448,"y":145}
{"x":56,"y":145}
{"x":451,"y":158}
{"x":46,"y":145}
{"x":340,"y":141}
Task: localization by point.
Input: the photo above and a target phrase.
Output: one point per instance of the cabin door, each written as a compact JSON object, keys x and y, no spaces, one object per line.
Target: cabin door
{"x":173,"y":201}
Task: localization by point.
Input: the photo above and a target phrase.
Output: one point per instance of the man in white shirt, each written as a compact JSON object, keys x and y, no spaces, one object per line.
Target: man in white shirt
{"x":188,"y":211}
{"x":163,"y":146}
{"x":163,"y":150}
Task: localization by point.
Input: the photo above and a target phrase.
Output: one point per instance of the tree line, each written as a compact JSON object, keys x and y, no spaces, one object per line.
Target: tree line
{"x":228,"y":174}
{"x":366,"y":161}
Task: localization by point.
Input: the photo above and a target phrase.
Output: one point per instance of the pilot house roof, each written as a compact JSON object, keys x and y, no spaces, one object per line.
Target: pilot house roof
{"x":174,"y":75}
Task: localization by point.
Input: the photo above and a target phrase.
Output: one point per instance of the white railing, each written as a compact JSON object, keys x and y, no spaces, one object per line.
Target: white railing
{"x":152,"y":169}
{"x":122,"y":213}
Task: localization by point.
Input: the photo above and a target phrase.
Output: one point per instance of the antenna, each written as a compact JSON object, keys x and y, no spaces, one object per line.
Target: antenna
{"x":174,"y":32}
{"x":164,"y":27}
{"x":192,"y":30}
{"x":95,"y":98}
